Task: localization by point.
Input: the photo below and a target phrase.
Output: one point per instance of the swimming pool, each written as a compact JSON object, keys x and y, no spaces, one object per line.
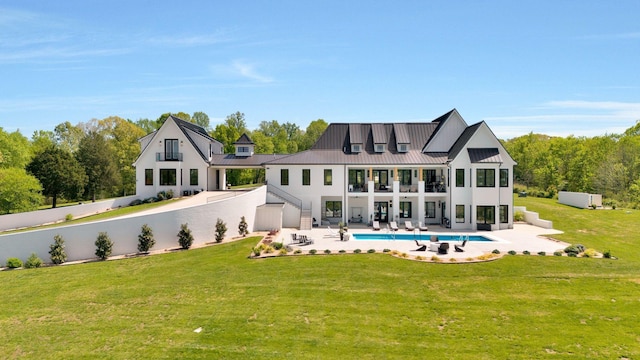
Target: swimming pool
{"x":412,"y":237}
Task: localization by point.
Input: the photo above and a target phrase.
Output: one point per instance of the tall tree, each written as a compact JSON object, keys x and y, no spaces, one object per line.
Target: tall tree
{"x":201,"y":119}
{"x":148,"y":126}
{"x":15,"y":150}
{"x":19,"y":191}
{"x":59,"y":173}
{"x":311,"y":135}
{"x":68,"y":136}
{"x":42,"y":139}
{"x":96,"y":156}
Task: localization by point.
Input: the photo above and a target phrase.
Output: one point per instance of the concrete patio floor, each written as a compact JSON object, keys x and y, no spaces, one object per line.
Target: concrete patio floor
{"x":522,"y":237}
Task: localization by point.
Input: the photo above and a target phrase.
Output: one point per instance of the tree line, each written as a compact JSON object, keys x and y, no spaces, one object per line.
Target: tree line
{"x":607,"y":164}
{"x":92,"y":160}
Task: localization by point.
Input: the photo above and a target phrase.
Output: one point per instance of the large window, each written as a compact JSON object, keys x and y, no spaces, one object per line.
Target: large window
{"x":333,"y":209}
{"x":148,"y":176}
{"x":284,"y":176}
{"x":381,"y":178}
{"x":429,"y":176}
{"x":486,"y":215}
{"x":171,"y":149}
{"x":356,"y":178}
{"x":486,"y":177}
{"x":430,"y":209}
{"x":504,"y":177}
{"x":306,"y":176}
{"x":405,"y":209}
{"x":328,"y":177}
{"x":459,"y":213}
{"x":167,"y":176}
{"x":193,"y":177}
{"x":459,"y":177}
{"x":404,"y":176}
{"x":504,"y":214}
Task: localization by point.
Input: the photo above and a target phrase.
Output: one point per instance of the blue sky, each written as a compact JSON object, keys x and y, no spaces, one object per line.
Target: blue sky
{"x":553,"y":67}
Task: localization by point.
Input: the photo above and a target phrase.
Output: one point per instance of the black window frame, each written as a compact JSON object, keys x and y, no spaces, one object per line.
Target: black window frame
{"x":165,"y":177}
{"x":335,"y":206}
{"x":306,"y":177}
{"x":328,"y":177}
{"x":504,"y":177}
{"x":458,"y":218}
{"x":459,"y":177}
{"x":404,"y":176}
{"x":405,"y":209}
{"x":171,"y":150}
{"x":192,"y":173}
{"x":284,"y":177}
{"x":487,"y":179}
{"x":483,"y":212}
{"x":148,"y":177}
{"x":504,"y":214}
{"x":426,"y":209}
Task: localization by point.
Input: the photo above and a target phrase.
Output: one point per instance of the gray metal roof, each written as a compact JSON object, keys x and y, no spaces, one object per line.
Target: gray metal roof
{"x":355,"y":134}
{"x":402,"y":135}
{"x":244,"y":139}
{"x":379,"y":132}
{"x":484,"y":155}
{"x":311,"y":157}
{"x":231,"y":160}
{"x":462,"y":140}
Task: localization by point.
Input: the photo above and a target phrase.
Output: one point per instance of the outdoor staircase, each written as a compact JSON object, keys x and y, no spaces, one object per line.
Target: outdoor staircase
{"x":305,"y":211}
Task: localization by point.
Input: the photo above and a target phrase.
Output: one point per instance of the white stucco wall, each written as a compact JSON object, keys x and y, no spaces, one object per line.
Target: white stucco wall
{"x":80,"y":239}
{"x":33,"y":218}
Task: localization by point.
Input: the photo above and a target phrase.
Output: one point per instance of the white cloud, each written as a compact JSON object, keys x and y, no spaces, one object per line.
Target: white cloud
{"x":243,"y":69}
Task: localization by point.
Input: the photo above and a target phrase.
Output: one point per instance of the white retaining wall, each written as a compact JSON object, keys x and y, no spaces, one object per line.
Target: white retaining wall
{"x":80,"y":239}
{"x":580,"y":200}
{"x":533,"y":218}
{"x":33,"y":218}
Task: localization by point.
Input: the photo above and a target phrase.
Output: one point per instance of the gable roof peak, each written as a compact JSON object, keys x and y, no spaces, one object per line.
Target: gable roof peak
{"x":244,"y":139}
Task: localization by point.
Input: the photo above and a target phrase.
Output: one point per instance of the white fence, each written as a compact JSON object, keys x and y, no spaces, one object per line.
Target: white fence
{"x":33,"y":218}
{"x":80,"y":239}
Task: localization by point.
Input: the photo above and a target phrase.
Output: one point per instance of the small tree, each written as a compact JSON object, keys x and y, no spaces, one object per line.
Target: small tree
{"x":33,"y":261}
{"x":104,"y":246}
{"x":242,"y":227}
{"x":56,"y":250}
{"x":185,"y":238}
{"x":221,"y":230}
{"x":145,"y":239}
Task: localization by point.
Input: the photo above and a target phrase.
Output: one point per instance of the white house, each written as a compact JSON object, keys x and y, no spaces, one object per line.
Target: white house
{"x":177,"y":157}
{"x":440,"y":172}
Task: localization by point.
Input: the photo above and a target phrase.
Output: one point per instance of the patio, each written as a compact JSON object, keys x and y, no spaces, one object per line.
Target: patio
{"x":522,"y":237}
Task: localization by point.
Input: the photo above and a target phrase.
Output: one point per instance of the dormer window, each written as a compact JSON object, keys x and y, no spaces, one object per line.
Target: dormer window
{"x":356,"y":148}
{"x":379,"y":148}
{"x":403,"y":148}
{"x":243,"y":150}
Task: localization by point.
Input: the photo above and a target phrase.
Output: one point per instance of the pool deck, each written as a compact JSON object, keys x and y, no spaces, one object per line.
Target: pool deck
{"x":522,"y":237}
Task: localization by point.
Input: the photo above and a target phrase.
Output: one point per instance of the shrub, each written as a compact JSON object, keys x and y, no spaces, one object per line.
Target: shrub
{"x":607,"y":254}
{"x":526,"y":252}
{"x":33,"y":262}
{"x":56,"y":250}
{"x":572,"y":249}
{"x":404,"y":255}
{"x":283,"y":251}
{"x":589,"y":253}
{"x":420,"y":258}
{"x":327,"y":251}
{"x":542,"y":253}
{"x":371,"y":251}
{"x":394,"y":252}
{"x":297,"y":251}
{"x":135,"y":202}
{"x":386,"y":250}
{"x":580,"y":247}
{"x":269,"y":249}
{"x":161,"y":196}
{"x":313,"y":251}
{"x":277,"y":245}
{"x":145,"y":239}
{"x":511,"y":252}
{"x":104,"y":246}
{"x":256,"y":251}
{"x":169,"y":194}
{"x":557,"y":253}
{"x":453,"y":260}
{"x":221,"y":230}
{"x":243,"y":227}
{"x":518,"y":216}
{"x":495,"y":251}
{"x":14,"y":263}
{"x":68,"y":217}
{"x":357,"y":251}
{"x":469,"y":259}
{"x":342,"y":251}
{"x":571,"y":254}
{"x":185,"y":238}
{"x":435,"y":258}
{"x":488,"y":256}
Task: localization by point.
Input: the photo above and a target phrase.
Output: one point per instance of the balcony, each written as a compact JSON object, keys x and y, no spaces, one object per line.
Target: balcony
{"x":161,"y":156}
{"x":435,"y":187}
{"x":357,"y":188}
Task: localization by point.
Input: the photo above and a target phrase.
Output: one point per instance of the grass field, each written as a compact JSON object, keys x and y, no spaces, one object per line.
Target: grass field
{"x":367,"y":306}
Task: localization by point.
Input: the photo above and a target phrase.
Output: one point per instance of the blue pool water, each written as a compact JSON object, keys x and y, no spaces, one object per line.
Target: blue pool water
{"x":411,"y":237}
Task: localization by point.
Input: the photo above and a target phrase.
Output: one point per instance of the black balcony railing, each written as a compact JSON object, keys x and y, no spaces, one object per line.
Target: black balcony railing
{"x":160,"y":156}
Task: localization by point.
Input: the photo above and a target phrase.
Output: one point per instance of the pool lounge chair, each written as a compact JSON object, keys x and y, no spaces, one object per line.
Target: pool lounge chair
{"x":421,"y":247}
{"x":443,"y":248}
{"x":345,"y":237}
{"x":460,"y":248}
{"x":376,"y":225}
{"x":331,"y":232}
{"x":422,"y":227}
{"x":408,"y":226}
{"x":393,"y":225}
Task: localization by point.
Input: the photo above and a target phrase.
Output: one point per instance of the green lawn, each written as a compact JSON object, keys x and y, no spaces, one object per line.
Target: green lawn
{"x":367,"y":306}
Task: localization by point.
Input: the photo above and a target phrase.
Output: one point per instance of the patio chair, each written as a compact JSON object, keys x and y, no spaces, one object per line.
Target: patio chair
{"x":422,"y":227}
{"x":345,"y":237}
{"x":376,"y":225}
{"x":393,"y":225}
{"x":443,"y":248}
{"x":460,"y":248}
{"x":408,"y":226}
{"x":421,"y":247}
{"x":314,"y":223}
{"x":332,"y":233}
